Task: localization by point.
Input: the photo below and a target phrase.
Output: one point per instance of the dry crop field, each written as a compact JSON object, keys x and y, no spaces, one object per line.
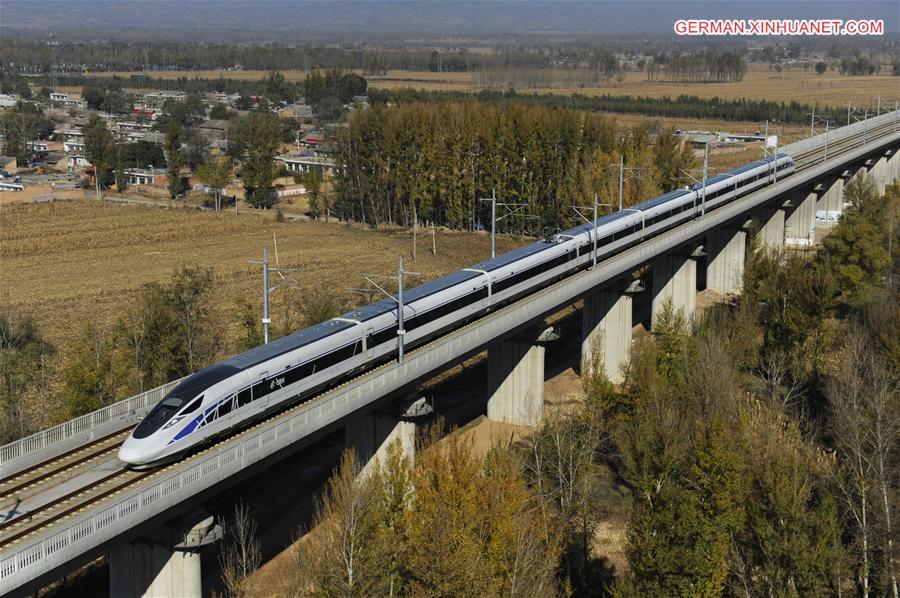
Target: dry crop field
{"x":804,"y":86}
{"x":70,"y":263}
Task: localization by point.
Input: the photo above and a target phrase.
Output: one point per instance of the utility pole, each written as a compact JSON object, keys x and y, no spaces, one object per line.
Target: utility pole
{"x":415,"y":226}
{"x":512,"y":208}
{"x":634,"y":172}
{"x":865,"y":124}
{"x":400,"y":278}
{"x":812,"y":122}
{"x":593,"y":222}
{"x":702,"y":182}
{"x":825,"y":157}
{"x":849,"y":105}
{"x":705,"y":172}
{"x":775,"y":174}
{"x":265,"y":320}
{"x":267,"y":289}
{"x":401,"y":333}
{"x":621,"y":179}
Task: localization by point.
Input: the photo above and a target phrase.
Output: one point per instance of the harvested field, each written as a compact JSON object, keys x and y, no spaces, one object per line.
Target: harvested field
{"x":70,"y":263}
{"x":805,"y":86}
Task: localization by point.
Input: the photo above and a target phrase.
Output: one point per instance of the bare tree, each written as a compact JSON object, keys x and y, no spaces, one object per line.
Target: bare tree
{"x":884,"y":437}
{"x":559,"y":464}
{"x":846,"y":392}
{"x":241,"y":555}
{"x":783,"y":383}
{"x":342,"y":556}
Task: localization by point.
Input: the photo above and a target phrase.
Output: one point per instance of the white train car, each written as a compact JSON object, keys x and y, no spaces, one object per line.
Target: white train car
{"x":239,"y":390}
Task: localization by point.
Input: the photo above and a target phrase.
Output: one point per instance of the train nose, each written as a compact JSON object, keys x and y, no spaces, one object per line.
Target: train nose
{"x":128,"y":453}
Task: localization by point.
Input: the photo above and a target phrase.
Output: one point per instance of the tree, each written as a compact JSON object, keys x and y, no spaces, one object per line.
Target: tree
{"x":25,"y":358}
{"x":189,"y":299}
{"x":170,"y":333}
{"x":328,"y":108}
{"x":560,"y":462}
{"x":195,"y":149}
{"x":344,"y":558}
{"x":91,"y":379}
{"x":22,"y":125}
{"x":313,"y":183}
{"x":121,"y":178}
{"x":790,"y":544}
{"x":241,"y":554}
{"x":174,"y":135}
{"x":821,"y":67}
{"x":220,"y":111}
{"x":276,"y":87}
{"x":251,"y":332}
{"x":865,"y":416}
{"x":259,"y":134}
{"x":446,"y":525}
{"x":857,"y":249}
{"x":140,"y":155}
{"x":672,"y":156}
{"x":217,"y":174}
{"x":99,"y":148}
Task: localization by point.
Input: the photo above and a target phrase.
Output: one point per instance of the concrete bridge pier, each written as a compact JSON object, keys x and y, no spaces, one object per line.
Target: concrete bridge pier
{"x":675,"y":279}
{"x":771,"y":228}
{"x":881,"y":173}
{"x":515,"y":377}
{"x":893,"y":167}
{"x":800,"y":219}
{"x":725,"y":252}
{"x":831,"y":200}
{"x":606,"y":322}
{"x":371,"y":434}
{"x":163,"y":563}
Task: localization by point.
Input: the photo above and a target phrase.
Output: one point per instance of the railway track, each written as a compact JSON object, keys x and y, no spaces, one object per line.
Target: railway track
{"x":24,"y":527}
{"x":810,"y":158}
{"x":59,"y":469}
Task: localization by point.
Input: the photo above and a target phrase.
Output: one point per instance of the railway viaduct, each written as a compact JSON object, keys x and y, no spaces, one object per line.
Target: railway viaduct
{"x":65,"y":500}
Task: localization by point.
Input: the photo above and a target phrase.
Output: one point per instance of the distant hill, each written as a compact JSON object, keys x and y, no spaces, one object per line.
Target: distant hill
{"x":304,"y":20}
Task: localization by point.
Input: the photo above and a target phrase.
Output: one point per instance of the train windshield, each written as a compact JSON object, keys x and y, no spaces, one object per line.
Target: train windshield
{"x":158,"y":416}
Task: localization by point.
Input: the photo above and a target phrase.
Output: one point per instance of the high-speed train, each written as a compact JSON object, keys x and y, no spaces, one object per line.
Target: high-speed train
{"x":243,"y":388}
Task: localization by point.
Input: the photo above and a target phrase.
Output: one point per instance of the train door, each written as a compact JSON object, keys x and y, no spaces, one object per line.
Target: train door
{"x":228,"y":405}
{"x":260,"y":391}
{"x":370,"y":345}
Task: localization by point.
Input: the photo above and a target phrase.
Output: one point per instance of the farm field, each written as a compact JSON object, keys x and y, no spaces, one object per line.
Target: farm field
{"x":804,"y":86}
{"x":71,"y":263}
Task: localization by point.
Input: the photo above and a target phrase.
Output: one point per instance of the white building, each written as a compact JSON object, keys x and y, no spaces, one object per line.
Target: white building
{"x":305,"y":163}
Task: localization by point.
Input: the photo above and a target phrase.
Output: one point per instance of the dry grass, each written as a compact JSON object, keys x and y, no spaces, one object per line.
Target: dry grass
{"x":804,"y":86}
{"x":74,"y":262}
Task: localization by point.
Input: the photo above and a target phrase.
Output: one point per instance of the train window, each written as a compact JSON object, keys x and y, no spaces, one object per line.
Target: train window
{"x":192,"y":406}
{"x":210,"y":418}
{"x":158,"y":416}
{"x":382,"y":337}
{"x":244,"y":397}
{"x":293,"y":375}
{"x":259,"y":390}
{"x":225,"y":407}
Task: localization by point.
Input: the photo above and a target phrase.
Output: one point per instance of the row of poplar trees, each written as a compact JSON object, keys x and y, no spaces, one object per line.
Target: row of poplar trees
{"x":435,"y":161}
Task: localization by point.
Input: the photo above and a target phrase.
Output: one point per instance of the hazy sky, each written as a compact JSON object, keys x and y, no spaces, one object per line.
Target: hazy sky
{"x":446,"y":17}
